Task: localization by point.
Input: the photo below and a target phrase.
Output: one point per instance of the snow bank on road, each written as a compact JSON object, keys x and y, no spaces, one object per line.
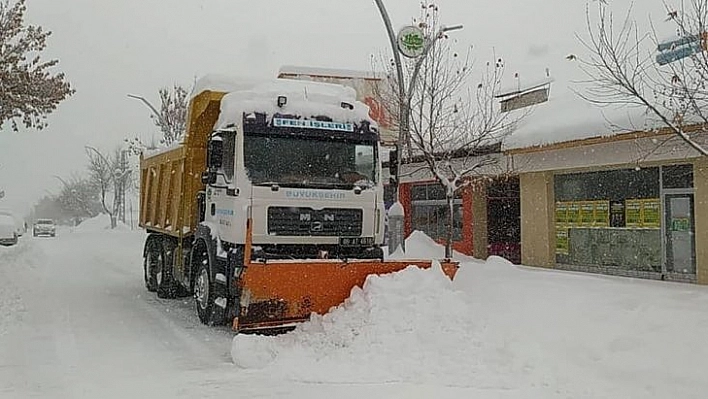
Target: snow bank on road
{"x":14,"y":262}
{"x":396,"y":328}
{"x":99,"y":223}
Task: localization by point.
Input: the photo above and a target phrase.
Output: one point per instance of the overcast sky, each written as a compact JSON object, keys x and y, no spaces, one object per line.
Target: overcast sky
{"x":111,"y":48}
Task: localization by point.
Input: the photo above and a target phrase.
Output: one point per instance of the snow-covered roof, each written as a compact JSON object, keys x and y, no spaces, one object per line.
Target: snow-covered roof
{"x":554,"y":53}
{"x":328,"y":72}
{"x":568,"y":117}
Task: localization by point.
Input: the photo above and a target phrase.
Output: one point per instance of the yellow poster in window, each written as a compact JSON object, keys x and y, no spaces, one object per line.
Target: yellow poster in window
{"x":651,"y":213}
{"x":561,"y":213}
{"x":633,"y":213}
{"x":562,"y":241}
{"x":574,"y":214}
{"x":587,"y":214}
{"x":602,"y":213}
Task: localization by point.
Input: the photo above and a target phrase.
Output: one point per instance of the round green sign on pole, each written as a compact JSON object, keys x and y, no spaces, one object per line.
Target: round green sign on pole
{"x":411,"y":41}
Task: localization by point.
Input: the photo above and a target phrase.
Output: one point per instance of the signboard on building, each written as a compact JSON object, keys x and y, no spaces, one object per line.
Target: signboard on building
{"x":368,"y":87}
{"x":679,"y":48}
{"x":524,"y":100}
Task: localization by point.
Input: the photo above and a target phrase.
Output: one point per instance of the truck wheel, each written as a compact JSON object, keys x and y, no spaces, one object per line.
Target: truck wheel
{"x":151,"y":266}
{"x":166,"y":284}
{"x":206,"y":294}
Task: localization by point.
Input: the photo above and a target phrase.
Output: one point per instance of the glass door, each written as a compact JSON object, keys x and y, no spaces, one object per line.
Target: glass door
{"x":679,"y":237}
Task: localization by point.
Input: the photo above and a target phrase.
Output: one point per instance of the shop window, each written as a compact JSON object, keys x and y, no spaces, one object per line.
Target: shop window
{"x":677,"y":176}
{"x":429,"y":192}
{"x":609,"y":219}
{"x":431,"y":214}
{"x":608,"y":185}
{"x":433,"y":219}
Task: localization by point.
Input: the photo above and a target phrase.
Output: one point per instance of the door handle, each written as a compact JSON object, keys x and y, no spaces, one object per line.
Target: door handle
{"x":233,"y":192}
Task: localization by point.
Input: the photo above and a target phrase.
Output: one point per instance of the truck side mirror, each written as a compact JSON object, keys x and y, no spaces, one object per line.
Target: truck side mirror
{"x":215,"y":152}
{"x":208,"y":177}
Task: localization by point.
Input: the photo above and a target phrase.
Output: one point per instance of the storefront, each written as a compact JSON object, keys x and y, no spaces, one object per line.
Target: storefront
{"x":486,"y":216}
{"x":630,"y":219}
{"x":617,"y":212}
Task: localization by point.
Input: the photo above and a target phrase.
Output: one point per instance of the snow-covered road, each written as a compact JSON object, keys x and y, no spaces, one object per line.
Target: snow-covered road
{"x":76,"y":322}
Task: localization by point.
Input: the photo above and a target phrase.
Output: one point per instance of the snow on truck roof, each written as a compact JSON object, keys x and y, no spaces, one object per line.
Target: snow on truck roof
{"x":291,"y":70}
{"x":303,"y":98}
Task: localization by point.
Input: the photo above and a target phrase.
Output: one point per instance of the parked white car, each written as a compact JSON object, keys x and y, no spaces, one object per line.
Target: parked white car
{"x":20,"y":228}
{"x":8,"y":230}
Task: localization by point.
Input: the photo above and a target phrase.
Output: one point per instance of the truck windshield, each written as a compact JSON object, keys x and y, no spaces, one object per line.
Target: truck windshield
{"x":309,"y":162}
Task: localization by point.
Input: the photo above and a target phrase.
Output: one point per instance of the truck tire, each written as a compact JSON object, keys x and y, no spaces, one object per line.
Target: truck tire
{"x":207,"y":292}
{"x":166,"y":284}
{"x":150,"y":266}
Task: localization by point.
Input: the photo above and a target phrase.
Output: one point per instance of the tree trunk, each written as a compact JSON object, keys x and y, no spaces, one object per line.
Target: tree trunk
{"x":450,"y":220}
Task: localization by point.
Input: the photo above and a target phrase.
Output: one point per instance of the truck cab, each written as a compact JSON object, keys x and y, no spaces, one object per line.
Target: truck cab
{"x":312,"y":187}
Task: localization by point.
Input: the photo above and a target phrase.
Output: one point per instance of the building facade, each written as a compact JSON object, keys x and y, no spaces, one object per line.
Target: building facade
{"x":622,"y":205}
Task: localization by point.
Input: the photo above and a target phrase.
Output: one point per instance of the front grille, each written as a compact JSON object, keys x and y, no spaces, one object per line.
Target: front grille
{"x":292,"y":221}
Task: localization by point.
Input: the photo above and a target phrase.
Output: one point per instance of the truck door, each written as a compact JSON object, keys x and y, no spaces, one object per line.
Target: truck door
{"x":223,"y":190}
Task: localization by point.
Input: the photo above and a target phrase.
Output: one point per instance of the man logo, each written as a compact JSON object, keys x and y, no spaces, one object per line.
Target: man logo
{"x":317,"y":226}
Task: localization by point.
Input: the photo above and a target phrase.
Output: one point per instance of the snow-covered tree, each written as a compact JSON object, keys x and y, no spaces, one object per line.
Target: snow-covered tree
{"x":102,"y":169}
{"x":624,"y":68}
{"x":170,"y":118}
{"x":455,"y":125}
{"x":173,"y":114}
{"x":78,"y":198}
{"x":29,"y":88}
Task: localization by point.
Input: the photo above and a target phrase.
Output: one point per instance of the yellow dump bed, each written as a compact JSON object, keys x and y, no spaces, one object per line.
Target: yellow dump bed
{"x":171,"y":179}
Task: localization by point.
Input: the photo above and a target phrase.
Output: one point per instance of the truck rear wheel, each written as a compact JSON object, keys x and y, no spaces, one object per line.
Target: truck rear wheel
{"x":150,"y":267}
{"x":166,"y":284}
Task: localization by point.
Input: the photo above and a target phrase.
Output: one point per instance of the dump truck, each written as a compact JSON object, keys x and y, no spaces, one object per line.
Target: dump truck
{"x":270,"y":208}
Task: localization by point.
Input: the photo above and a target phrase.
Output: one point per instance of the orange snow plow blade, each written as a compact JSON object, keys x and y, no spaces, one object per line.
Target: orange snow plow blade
{"x":276,"y":294}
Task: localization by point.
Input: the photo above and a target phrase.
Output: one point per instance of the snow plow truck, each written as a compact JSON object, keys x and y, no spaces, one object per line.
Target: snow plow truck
{"x":271,"y":208}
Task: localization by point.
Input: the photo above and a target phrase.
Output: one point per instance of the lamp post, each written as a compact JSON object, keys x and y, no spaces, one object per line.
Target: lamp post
{"x":405,"y":96}
{"x":147,"y":103}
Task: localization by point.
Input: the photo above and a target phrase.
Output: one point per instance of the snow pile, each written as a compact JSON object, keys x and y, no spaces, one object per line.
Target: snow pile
{"x":421,"y":246}
{"x":499,"y":330}
{"x":405,"y":326}
{"x":99,"y":223}
{"x":13,"y":261}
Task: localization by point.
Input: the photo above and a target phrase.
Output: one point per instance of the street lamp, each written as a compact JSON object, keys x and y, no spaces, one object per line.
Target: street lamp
{"x":406,"y":95}
{"x":404,"y":102}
